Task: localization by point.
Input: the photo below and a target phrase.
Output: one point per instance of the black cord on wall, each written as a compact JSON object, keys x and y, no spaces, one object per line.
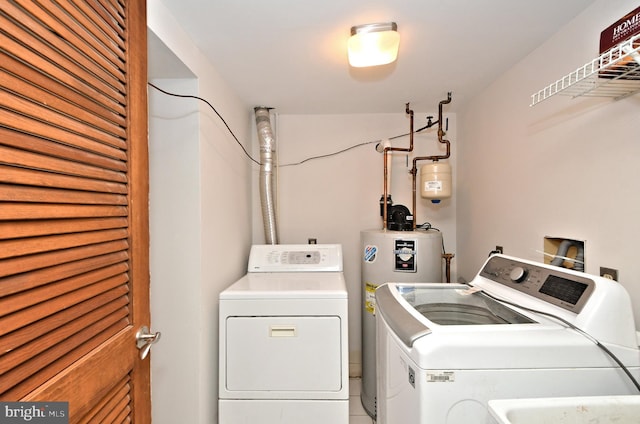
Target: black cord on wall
{"x":188,"y":96}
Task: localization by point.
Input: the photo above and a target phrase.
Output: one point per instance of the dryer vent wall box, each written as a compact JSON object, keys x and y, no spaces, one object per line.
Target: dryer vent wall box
{"x":283,"y":338}
{"x":565,"y":252}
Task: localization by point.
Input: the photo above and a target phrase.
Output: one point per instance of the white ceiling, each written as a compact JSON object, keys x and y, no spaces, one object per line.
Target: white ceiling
{"x":291,"y":54}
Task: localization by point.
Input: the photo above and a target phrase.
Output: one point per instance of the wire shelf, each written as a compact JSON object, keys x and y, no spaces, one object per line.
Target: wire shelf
{"x":615,"y":73}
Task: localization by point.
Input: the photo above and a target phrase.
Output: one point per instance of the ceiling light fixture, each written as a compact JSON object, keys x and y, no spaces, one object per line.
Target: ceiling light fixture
{"x":373,"y":44}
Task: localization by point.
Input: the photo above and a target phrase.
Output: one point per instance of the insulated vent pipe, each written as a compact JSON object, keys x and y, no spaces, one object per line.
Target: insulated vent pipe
{"x":563,"y":249}
{"x":268,"y":174}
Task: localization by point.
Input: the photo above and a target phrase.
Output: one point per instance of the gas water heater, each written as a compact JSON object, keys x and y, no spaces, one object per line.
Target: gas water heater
{"x":391,"y":256}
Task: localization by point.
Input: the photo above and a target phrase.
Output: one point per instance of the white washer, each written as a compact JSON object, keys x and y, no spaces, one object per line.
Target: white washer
{"x":445,"y":350}
{"x":283,"y":339}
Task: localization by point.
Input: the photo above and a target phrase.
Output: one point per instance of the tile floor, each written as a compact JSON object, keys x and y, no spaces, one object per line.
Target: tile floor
{"x":357,"y":414}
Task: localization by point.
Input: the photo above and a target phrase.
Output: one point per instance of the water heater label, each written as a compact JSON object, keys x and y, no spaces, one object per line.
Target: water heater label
{"x":370,"y":297}
{"x":370,"y":253}
{"x":405,"y":255}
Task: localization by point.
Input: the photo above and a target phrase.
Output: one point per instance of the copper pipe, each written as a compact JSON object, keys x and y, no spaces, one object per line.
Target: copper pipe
{"x":414,"y":169}
{"x":413,"y":173}
{"x":386,"y":171}
{"x":447,"y":258}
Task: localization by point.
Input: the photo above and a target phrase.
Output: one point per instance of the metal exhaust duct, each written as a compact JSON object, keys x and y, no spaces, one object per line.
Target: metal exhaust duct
{"x":268,"y":173}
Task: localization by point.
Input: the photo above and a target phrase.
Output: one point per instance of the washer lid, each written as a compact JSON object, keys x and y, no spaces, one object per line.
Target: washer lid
{"x":288,"y":285}
{"x":458,"y":305}
{"x":414,"y":310}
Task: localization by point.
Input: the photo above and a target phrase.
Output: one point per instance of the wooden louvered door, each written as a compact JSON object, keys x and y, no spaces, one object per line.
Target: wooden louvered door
{"x":74,"y":273}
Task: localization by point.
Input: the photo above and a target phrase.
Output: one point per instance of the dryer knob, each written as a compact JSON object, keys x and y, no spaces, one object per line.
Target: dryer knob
{"x":518,"y":274}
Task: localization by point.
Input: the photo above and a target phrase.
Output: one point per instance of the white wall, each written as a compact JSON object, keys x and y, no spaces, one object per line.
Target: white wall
{"x":332,"y":199}
{"x":200,"y":217}
{"x":565,"y":167}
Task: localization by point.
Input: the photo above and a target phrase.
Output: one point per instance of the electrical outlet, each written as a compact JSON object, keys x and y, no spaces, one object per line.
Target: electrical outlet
{"x":610,"y":273}
{"x":497,"y":250}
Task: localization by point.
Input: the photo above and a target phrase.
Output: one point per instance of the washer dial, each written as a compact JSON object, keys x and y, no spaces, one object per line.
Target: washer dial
{"x":518,"y":274}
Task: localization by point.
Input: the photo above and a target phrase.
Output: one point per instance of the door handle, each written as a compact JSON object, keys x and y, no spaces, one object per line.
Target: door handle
{"x":145,"y":339}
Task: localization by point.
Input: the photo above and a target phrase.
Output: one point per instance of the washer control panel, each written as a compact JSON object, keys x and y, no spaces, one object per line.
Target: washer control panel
{"x":545,"y":282}
{"x":295,"y":258}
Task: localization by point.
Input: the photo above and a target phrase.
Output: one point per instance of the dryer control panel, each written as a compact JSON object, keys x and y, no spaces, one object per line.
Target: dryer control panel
{"x":295,"y":258}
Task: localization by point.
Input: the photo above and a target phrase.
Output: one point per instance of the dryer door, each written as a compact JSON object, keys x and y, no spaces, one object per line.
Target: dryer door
{"x":285,"y":354}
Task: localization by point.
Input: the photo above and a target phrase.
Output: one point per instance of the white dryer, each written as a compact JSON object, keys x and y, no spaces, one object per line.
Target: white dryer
{"x":283,"y":345}
{"x":519,"y":329}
